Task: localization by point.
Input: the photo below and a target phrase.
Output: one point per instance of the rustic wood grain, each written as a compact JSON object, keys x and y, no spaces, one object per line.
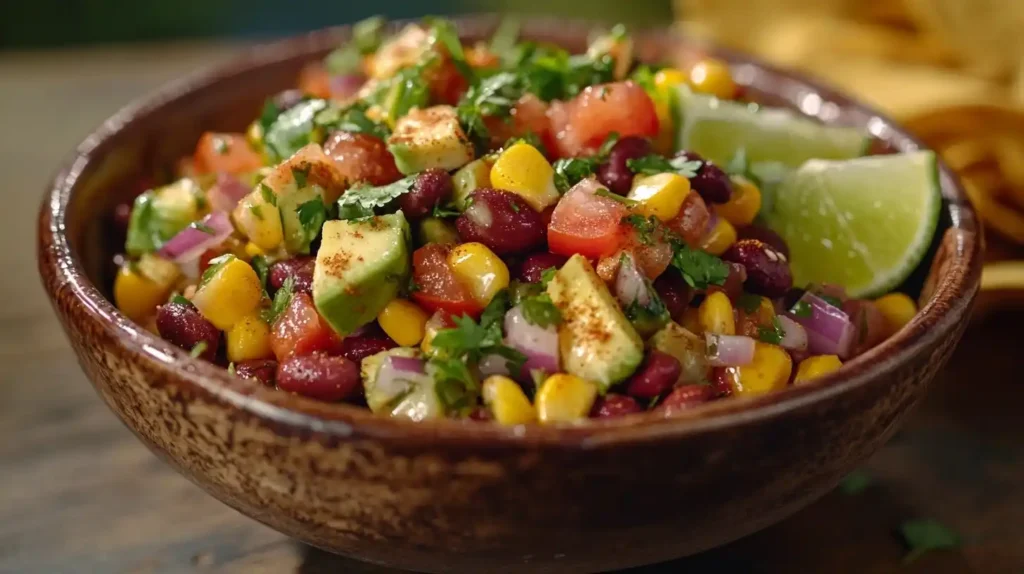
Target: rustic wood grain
{"x":78,"y":493}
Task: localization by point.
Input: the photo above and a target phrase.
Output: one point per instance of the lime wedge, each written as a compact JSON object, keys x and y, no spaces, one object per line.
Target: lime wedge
{"x":863,"y":223}
{"x":718,"y":129}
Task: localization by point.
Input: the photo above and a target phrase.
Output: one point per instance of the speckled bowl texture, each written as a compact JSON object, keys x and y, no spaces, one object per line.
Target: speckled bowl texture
{"x":450,"y":496}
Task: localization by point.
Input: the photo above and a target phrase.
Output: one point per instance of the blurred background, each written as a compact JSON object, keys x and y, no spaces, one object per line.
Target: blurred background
{"x":80,"y":494}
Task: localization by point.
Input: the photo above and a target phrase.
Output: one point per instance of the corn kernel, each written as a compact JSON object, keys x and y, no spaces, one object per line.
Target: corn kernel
{"x":507,"y":401}
{"x":660,"y":195}
{"x":479,"y":269}
{"x":667,"y":78}
{"x":259,"y":220}
{"x":232,"y":292}
{"x":248,"y":339}
{"x":690,"y":319}
{"x":743,"y":206}
{"x":524,"y":171}
{"x":711,"y":76}
{"x":253,"y":250}
{"x":403,"y":321}
{"x":816,"y":366}
{"x":897,"y":309}
{"x":715,"y":314}
{"x":565,"y":398}
{"x":720,"y":238}
{"x":769,"y":371}
{"x":136,"y":295}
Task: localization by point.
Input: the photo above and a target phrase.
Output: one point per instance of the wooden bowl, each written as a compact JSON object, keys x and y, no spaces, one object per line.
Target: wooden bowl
{"x":450,"y":496}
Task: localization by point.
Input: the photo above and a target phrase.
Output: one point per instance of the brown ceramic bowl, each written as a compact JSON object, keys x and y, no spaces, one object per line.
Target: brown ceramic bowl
{"x":471,"y":497}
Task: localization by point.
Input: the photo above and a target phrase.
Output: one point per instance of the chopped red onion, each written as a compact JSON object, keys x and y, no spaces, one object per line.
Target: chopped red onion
{"x":346,"y":85}
{"x":630,"y":284}
{"x":191,"y":242}
{"x":226,"y":192}
{"x":406,"y":364}
{"x":712,"y":222}
{"x":794,"y":335}
{"x":539,"y":344}
{"x":829,"y":330}
{"x":729,"y":350}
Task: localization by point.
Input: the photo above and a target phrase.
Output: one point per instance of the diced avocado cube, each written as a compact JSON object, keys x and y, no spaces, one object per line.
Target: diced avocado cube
{"x":686,"y":347}
{"x":469,"y":178}
{"x":437,"y":230}
{"x":382,"y":397}
{"x":359,"y":268}
{"x":302,"y":187}
{"x":413,"y":398}
{"x":160,"y":214}
{"x":300,"y":232}
{"x":429,"y":138}
{"x":596,"y":340}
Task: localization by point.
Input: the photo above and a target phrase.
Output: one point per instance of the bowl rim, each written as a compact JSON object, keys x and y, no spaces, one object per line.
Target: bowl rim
{"x":65,"y":278}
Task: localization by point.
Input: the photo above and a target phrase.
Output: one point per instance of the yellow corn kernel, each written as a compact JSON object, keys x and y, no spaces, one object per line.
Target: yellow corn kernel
{"x":711,"y":76}
{"x":136,"y":295}
{"x":259,"y":220}
{"x":232,"y":292}
{"x":898,"y":309}
{"x":816,"y":366}
{"x":565,"y":398}
{"x":667,"y":78}
{"x":769,"y":371}
{"x":479,"y":269}
{"x":720,"y":238}
{"x":660,"y":195}
{"x":249,"y":339}
{"x":403,"y":321}
{"x":743,"y":206}
{"x":507,"y":401}
{"x":254,"y":135}
{"x":715,"y":314}
{"x":690,"y":319}
{"x":524,"y":171}
{"x":253,"y":250}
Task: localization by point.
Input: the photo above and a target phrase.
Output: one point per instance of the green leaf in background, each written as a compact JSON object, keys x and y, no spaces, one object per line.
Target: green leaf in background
{"x":921,"y":536}
{"x":856,"y":482}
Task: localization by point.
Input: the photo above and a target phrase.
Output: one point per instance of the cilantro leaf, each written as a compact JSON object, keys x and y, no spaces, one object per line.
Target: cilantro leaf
{"x":570,"y":171}
{"x":494,"y":313}
{"x":214,"y":267}
{"x":492,"y":97}
{"x":200,"y":226}
{"x":261,"y":266}
{"x":180,"y":299}
{"x":748,"y":302}
{"x":363,"y":201}
{"x":539,"y":310}
{"x":699,"y":269}
{"x":292,"y":130}
{"x":300,"y":175}
{"x":654,"y":164}
{"x":281,"y":300}
{"x":832,"y":300}
{"x":198,"y":349}
{"x":268,"y":115}
{"x":802,"y":309}
{"x":312,"y":215}
{"x":606,"y":147}
{"x":454,"y":384}
{"x":268,"y":194}
{"x":646,"y":227}
{"x":772,"y":334}
{"x":443,"y":211}
{"x":921,"y":536}
{"x":604,"y":192}
{"x":547,"y":275}
{"x":855,"y":482}
{"x":352,"y":119}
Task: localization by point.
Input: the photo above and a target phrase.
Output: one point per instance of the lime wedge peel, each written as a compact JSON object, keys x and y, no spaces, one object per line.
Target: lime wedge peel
{"x":864,"y":223}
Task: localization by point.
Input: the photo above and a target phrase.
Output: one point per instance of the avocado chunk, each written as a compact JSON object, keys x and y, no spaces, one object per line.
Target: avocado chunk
{"x":158,"y":215}
{"x":687,"y":348}
{"x":359,"y":269}
{"x":437,"y":230}
{"x":469,"y":178}
{"x":429,"y":138}
{"x":301,"y":188}
{"x":414,"y":397}
{"x":596,"y":341}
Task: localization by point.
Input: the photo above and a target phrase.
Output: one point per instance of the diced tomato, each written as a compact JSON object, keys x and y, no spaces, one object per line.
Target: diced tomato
{"x":582,"y":124}
{"x":692,"y":220}
{"x":481,"y":57}
{"x":437,"y":286}
{"x":315,"y":81}
{"x":652,"y":255}
{"x":300,"y":330}
{"x":362,"y":158}
{"x":529,"y":115}
{"x":585,"y":223}
{"x":446,"y":83}
{"x":225,"y":153}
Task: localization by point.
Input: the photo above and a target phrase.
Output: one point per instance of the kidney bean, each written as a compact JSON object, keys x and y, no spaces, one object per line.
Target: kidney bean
{"x":659,"y":372}
{"x":764,"y":234}
{"x":692,"y":220}
{"x":362,"y":158}
{"x":502,"y":221}
{"x":768,"y":271}
{"x":534,"y":265}
{"x":674,"y":292}
{"x":686,"y":397}
{"x":262,"y":370}
{"x":358,"y":348}
{"x":432,"y":187}
{"x":733,"y":286}
{"x":615,"y":173}
{"x":711,"y":182}
{"x":319,"y":376}
{"x":614,"y":405}
{"x":723,"y":381}
{"x":300,"y":269}
{"x":185,"y":327}
{"x":480,"y":414}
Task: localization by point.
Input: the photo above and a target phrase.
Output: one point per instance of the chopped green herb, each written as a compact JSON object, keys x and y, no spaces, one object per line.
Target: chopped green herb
{"x":921,"y":536}
{"x":443,"y":211}
{"x":646,"y":227}
{"x":216,"y":264}
{"x":470,"y":340}
{"x":256,"y":211}
{"x":643,"y":76}
{"x":606,"y":147}
{"x":749,"y":302}
{"x":444,"y":33}
{"x":802,"y":309}
{"x":604,"y":192}
{"x":570,"y":171}
{"x":699,"y":268}
{"x":231,"y":368}
{"x":494,"y":313}
{"x":261,"y":266}
{"x":654,"y":402}
{"x":654,"y":164}
{"x":352,"y":119}
{"x":300,"y":175}
{"x":200,"y":226}
{"x":834,"y":301}
{"x":772,"y":334}
{"x":198,"y":349}
{"x":360,"y":202}
{"x":180,"y":299}
{"x":293,"y":129}
{"x":547,"y":275}
{"x":268,"y":194}
{"x":647,"y":319}
{"x":454,"y":384}
{"x":281,"y":300}
{"x":855,"y":482}
{"x":494,"y":96}
{"x":538,"y":376}
{"x":312,"y":215}
{"x":540,"y":311}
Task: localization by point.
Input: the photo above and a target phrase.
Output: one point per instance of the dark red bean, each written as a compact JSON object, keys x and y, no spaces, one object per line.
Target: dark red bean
{"x":615,"y":172}
{"x":480,"y":414}
{"x":288,"y":99}
{"x":432,"y":187}
{"x":614,"y":405}
{"x":686,"y":397}
{"x":723,"y":381}
{"x":358,"y":348}
{"x":300,"y":269}
{"x":185,"y":327}
{"x":534,"y":265}
{"x":674,"y":292}
{"x":733,"y":286}
{"x":319,"y":376}
{"x":768,"y":271}
{"x":502,"y":221}
{"x":711,"y":182}
{"x":262,"y":370}
{"x":659,"y":372}
{"x":764,"y":234}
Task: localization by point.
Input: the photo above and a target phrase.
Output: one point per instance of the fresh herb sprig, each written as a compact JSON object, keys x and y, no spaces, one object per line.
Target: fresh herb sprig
{"x":364,"y":201}
{"x":698,"y":268}
{"x":654,"y":164}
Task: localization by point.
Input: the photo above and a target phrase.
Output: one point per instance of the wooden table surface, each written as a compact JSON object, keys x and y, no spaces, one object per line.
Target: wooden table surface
{"x":78,"y":493}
